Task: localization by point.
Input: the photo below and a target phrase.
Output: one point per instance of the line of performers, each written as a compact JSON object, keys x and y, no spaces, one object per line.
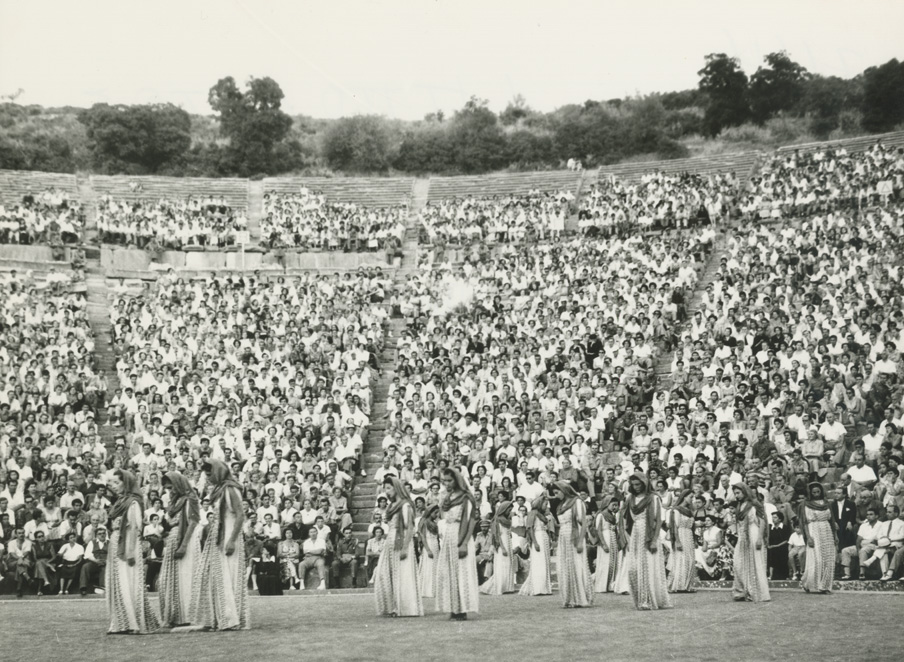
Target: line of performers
{"x":629,"y":558}
{"x":201,"y":587}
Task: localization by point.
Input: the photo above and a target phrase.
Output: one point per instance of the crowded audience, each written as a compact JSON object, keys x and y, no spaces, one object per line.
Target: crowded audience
{"x":48,"y":217}
{"x":658,"y":202}
{"x":306,"y":220}
{"x":501,"y":218}
{"x":830,"y":179}
{"x":203,"y":221}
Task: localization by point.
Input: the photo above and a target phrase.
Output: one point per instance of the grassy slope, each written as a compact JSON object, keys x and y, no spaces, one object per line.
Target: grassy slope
{"x":703,"y":627}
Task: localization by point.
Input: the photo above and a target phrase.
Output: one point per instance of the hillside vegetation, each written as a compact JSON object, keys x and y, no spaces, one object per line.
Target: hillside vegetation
{"x":249,"y":134}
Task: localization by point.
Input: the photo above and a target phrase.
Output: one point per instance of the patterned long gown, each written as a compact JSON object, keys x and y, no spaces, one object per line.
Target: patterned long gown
{"x":503,"y":578}
{"x":175,"y":587}
{"x":646,"y":571}
{"x":396,"y":587}
{"x":426,"y":569}
{"x":751,"y":580}
{"x":127,"y":598}
{"x":682,"y":564}
{"x":607,"y":563}
{"x":819,"y":570}
{"x":456,"y":579}
{"x":573,"y":569}
{"x":222,"y":595}
{"x":538,"y":581}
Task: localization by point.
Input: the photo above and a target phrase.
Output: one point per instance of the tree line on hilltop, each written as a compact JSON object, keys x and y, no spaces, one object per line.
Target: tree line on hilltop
{"x":251,"y":135}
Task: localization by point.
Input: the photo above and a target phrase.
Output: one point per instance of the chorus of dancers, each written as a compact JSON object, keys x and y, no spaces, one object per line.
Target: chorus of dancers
{"x":641,"y":548}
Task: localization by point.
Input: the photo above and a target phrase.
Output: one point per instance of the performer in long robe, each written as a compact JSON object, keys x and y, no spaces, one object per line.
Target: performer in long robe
{"x":751,"y":579}
{"x":222,"y":594}
{"x":682,"y":562}
{"x":639,"y":525}
{"x":181,"y":553}
{"x":456,"y":577}
{"x":126,"y":591}
{"x":428,"y":532}
{"x":538,"y":581}
{"x":608,"y":556}
{"x":818,"y":528}
{"x":503,"y":578}
{"x":396,"y":587}
{"x":575,"y":583}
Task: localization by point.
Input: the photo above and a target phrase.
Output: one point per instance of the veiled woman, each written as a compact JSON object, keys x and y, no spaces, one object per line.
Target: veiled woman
{"x":456,"y":573}
{"x":428,"y":532}
{"x":818,"y":528}
{"x":503,"y":578}
{"x":538,"y":580}
{"x":639,"y":525}
{"x":751,"y":580}
{"x":181,"y":553}
{"x":222,"y":600}
{"x":682,"y":563}
{"x":127,"y":599}
{"x":608,"y":556}
{"x":573,"y":569}
{"x":396,"y":589}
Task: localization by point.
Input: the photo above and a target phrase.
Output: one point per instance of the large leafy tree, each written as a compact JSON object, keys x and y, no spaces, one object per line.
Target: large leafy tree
{"x":725,"y":85}
{"x":477,"y":140}
{"x":883,"y":96}
{"x":358,"y":144}
{"x":777,"y":87}
{"x":253,"y":122}
{"x":136,"y":139}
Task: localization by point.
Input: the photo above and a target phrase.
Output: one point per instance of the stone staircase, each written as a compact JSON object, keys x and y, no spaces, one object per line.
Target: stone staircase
{"x":663,"y":364}
{"x":255,"y":209}
{"x":89,"y":204}
{"x":419,"y":194}
{"x":104,"y":359}
{"x":365,"y":492}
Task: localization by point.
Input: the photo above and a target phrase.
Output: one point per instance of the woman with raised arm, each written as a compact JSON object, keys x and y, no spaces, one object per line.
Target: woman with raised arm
{"x":751,"y":579}
{"x":428,"y":532}
{"x":682,"y":562}
{"x":456,"y":573}
{"x":127,"y":599}
{"x":818,"y":528}
{"x":575,"y":583}
{"x":638,"y":530}
{"x":503,"y":578}
{"x":608,"y":556}
{"x":222,"y":600}
{"x":396,"y":588}
{"x":181,"y":553}
{"x":538,"y":580}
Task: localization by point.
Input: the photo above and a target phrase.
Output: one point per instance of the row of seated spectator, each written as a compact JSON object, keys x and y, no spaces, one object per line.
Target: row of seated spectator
{"x":797,"y":184}
{"x":165,"y":223}
{"x":532,"y":216}
{"x":308,"y":221}
{"x":48,"y":217}
{"x":658,"y":201}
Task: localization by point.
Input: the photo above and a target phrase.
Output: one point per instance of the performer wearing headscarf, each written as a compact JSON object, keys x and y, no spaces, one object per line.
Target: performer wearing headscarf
{"x":573,"y":568}
{"x":396,"y":587}
{"x":127,"y":599}
{"x":608,"y":556}
{"x":818,"y":528}
{"x":503,"y":578}
{"x":751,"y":579}
{"x":538,"y":580}
{"x":181,"y":553}
{"x":456,"y":574}
{"x":682,"y":564}
{"x":428,"y":532}
{"x":638,"y":530}
{"x":222,"y":600}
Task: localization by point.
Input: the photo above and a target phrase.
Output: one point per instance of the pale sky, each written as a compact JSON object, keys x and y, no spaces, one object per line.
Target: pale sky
{"x":405,"y":58}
